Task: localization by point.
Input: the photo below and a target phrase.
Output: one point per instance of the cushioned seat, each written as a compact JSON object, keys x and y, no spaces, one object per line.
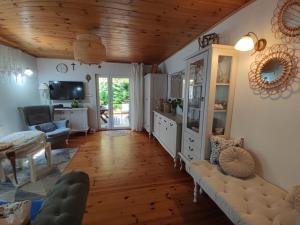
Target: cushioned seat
{"x":39,"y":118}
{"x":65,"y":204}
{"x":251,"y":201}
{"x":58,"y":132}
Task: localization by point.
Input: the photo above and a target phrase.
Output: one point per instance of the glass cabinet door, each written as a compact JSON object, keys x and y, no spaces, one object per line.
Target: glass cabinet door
{"x":222,"y":94}
{"x":195,"y":92}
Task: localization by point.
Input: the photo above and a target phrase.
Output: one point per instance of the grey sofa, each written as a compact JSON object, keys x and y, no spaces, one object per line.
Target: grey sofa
{"x":66,"y":203}
{"x":39,"y":118}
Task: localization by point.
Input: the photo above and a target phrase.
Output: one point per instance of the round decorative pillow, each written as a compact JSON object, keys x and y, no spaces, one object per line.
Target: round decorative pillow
{"x":294,"y":197}
{"x":237,"y":162}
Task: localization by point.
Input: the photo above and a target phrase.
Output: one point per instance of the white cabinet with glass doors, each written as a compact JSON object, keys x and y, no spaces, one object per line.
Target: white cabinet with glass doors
{"x":208,"y":103}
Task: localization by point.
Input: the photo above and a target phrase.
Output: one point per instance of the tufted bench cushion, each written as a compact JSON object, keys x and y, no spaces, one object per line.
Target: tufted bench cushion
{"x":65,"y":204}
{"x":251,"y":201}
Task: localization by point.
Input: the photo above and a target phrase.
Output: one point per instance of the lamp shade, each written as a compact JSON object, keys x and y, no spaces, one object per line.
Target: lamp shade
{"x":246,"y":43}
{"x":43,"y":86}
{"x":89,"y":49}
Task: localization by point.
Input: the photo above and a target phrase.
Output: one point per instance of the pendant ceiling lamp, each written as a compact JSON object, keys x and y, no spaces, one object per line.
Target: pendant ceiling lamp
{"x":89,"y":49}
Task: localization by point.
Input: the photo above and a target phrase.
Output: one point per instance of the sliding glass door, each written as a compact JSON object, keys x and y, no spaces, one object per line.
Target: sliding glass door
{"x":113,"y":102}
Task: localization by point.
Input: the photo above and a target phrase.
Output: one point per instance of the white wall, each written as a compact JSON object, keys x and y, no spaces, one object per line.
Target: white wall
{"x":14,"y":95}
{"x":270,"y":127}
{"x":47,"y":72}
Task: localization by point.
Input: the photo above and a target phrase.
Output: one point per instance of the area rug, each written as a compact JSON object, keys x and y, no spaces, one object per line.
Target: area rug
{"x":39,"y":189}
{"x":117,"y":133}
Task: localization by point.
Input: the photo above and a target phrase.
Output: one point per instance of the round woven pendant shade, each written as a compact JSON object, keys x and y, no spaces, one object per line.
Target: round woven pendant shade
{"x":89,"y":49}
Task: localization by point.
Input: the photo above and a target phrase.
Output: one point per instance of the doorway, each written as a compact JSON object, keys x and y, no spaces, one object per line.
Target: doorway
{"x":113,"y":102}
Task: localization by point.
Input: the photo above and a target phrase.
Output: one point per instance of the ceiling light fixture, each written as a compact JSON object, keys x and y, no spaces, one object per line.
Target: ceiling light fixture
{"x":89,"y":49}
{"x":250,"y":41}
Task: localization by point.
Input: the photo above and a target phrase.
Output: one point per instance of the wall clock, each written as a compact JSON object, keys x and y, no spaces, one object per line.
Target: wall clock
{"x":62,"y":68}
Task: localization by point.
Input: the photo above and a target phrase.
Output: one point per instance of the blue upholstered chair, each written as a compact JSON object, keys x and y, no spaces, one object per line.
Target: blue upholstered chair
{"x":39,"y":118}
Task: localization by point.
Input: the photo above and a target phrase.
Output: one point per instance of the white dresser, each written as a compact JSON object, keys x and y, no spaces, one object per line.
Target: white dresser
{"x":78,"y":118}
{"x":155,"y":88}
{"x":167,"y":130}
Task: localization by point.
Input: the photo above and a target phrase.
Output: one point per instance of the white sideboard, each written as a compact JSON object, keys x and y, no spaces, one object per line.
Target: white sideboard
{"x":167,"y":130}
{"x":78,"y":118}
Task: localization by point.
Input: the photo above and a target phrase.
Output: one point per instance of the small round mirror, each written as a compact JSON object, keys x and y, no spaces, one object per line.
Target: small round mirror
{"x":274,"y":70}
{"x":291,"y":16}
{"x":271,"y":70}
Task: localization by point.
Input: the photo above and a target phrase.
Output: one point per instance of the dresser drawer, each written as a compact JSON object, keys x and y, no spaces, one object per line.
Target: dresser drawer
{"x":191,"y":140}
{"x":190,"y":156}
{"x":191,"y":146}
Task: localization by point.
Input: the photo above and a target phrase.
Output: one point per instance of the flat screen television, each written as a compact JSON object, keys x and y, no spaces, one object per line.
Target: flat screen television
{"x":66,"y":90}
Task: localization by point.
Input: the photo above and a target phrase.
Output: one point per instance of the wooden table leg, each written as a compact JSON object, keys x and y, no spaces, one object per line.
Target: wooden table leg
{"x":33,"y":177}
{"x":2,"y":174}
{"x":48,"y":153}
{"x":12,"y":158}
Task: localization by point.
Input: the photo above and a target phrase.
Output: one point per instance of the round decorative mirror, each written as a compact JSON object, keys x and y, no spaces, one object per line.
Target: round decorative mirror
{"x":286,"y":20}
{"x":273,"y":70}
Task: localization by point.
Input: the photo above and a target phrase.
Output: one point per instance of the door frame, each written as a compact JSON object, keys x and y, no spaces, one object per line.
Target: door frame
{"x":110,"y":101}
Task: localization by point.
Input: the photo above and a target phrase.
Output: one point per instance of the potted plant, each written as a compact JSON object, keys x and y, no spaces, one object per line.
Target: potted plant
{"x":75,"y":103}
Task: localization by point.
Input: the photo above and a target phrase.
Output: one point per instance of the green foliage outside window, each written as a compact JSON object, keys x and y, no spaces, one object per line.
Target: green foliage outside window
{"x":120,"y":89}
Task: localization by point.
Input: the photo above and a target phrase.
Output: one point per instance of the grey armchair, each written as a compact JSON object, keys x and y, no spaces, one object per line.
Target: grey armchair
{"x":39,"y":118}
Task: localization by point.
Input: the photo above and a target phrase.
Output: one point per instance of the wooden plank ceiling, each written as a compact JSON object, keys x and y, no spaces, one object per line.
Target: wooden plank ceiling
{"x":132,"y":30}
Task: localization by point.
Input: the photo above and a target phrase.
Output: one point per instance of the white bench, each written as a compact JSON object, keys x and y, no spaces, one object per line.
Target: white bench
{"x":252,"y":201}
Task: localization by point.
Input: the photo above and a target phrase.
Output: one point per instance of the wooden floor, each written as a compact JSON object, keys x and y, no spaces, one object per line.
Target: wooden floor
{"x":133,"y":181}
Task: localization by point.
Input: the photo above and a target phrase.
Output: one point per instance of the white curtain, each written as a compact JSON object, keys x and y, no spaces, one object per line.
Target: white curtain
{"x":10,"y":62}
{"x":137,"y":97}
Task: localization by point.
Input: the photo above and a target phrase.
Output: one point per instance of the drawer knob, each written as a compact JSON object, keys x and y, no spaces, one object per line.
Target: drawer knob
{"x":191,"y":149}
{"x":191,"y":140}
{"x":190,"y":157}
{"x":171,"y":124}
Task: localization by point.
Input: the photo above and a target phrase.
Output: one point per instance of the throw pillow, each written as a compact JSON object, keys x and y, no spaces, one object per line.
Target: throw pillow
{"x":294,"y":197}
{"x":237,"y":162}
{"x":17,"y":213}
{"x":218,"y":144}
{"x":46,"y":127}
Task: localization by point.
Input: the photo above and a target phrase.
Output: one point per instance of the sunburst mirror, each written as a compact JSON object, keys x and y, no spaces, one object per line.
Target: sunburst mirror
{"x":286,"y":21}
{"x":273,"y":70}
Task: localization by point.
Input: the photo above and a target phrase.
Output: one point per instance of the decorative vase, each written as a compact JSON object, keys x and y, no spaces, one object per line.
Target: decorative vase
{"x":167,"y":107}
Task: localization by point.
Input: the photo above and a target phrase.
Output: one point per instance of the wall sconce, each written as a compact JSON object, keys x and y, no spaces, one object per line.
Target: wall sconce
{"x":250,"y":41}
{"x":28,"y":72}
{"x":44,"y":88}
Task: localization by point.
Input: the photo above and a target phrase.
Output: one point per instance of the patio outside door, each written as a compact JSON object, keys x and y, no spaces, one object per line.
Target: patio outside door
{"x":113,"y":102}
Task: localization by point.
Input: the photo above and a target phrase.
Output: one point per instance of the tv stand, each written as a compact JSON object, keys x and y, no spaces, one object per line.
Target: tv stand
{"x":78,"y":118}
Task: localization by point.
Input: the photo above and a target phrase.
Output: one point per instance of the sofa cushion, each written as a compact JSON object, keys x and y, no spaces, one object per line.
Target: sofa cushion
{"x":65,"y":204}
{"x":46,"y":127}
{"x":237,"y":162}
{"x":58,"y":132}
{"x":251,"y":201}
{"x":219,"y":144}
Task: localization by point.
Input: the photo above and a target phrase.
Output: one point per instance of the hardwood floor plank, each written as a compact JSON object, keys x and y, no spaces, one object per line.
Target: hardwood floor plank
{"x":133,"y":181}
